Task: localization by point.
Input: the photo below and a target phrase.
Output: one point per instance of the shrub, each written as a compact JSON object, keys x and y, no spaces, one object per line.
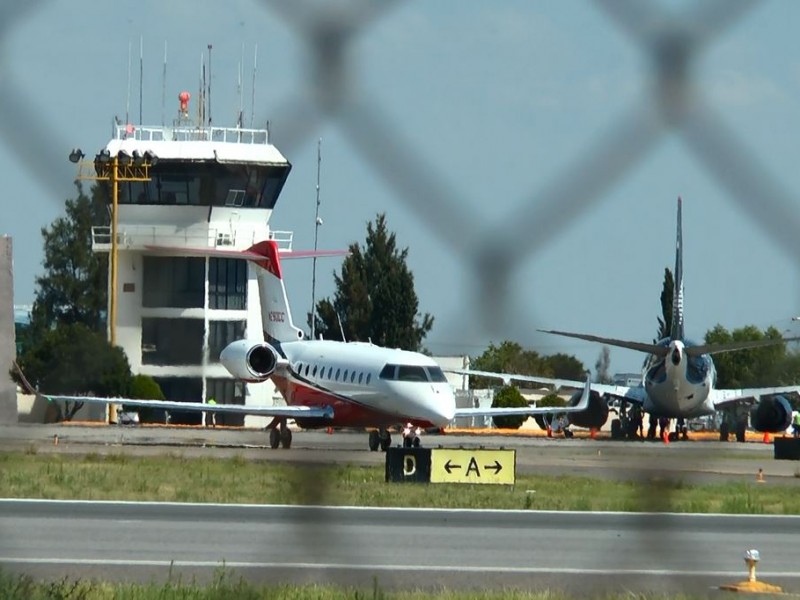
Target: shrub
{"x":509,"y":397}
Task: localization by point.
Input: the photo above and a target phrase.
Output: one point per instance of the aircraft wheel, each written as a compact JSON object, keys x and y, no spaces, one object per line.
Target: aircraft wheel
{"x":416,"y":442}
{"x":274,"y":438}
{"x":386,"y":441}
{"x":374,"y":441}
{"x":723,"y":432}
{"x":286,"y":438}
{"x":616,"y":429}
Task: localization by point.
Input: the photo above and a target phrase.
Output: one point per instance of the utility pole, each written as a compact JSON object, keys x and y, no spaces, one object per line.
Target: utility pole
{"x":317,"y":223}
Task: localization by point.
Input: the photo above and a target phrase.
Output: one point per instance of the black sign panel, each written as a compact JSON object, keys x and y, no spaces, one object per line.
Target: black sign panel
{"x":408,"y":465}
{"x":786,"y":448}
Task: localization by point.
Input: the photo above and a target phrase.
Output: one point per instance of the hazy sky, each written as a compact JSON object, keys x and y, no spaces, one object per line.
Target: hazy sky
{"x":476,"y":127}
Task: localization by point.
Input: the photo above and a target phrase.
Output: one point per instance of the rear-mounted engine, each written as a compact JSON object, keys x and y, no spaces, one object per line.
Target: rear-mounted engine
{"x":249,"y":360}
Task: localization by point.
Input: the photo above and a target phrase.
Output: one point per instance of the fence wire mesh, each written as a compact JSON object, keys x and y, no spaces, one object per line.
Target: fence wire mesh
{"x":670,"y":42}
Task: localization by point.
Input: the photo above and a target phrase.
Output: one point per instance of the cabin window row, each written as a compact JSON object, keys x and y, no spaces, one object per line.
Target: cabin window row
{"x":334,"y":374}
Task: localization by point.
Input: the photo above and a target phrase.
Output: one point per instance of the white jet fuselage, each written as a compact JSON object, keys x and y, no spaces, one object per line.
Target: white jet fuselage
{"x":678,"y":385}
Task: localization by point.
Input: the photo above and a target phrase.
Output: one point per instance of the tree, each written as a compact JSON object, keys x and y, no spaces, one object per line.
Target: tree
{"x":667,"y":297}
{"x":565,"y":366}
{"x":375,"y":297}
{"x":550,"y":400}
{"x":144,"y":387}
{"x":74,"y":360}
{"x":510,"y":357}
{"x":602,"y":366}
{"x":755,"y":367}
{"x":73,"y":288}
{"x":509,"y":397}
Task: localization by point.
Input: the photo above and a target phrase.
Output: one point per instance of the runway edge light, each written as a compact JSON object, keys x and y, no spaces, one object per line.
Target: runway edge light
{"x":752,"y":585}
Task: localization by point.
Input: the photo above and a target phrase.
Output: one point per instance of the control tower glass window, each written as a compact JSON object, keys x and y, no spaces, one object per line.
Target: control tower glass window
{"x":204,"y":183}
{"x":227,"y":283}
{"x":173,"y":282}
{"x":172,"y":341}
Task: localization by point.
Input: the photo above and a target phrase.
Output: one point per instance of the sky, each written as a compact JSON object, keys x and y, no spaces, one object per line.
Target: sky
{"x":518,"y":149}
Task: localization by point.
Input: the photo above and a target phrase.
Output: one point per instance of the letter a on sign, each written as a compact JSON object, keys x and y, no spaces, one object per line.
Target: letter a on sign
{"x":472,"y":467}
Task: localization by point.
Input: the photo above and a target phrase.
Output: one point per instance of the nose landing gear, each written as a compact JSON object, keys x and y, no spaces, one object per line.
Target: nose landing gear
{"x":379,"y":438}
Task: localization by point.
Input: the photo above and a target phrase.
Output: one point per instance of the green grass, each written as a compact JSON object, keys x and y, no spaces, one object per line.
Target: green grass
{"x":236,"y":480}
{"x":226,"y":586}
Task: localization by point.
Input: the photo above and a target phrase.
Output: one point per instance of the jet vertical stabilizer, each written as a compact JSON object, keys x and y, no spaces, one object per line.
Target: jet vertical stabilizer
{"x":676,"y":332}
{"x":275,"y":312}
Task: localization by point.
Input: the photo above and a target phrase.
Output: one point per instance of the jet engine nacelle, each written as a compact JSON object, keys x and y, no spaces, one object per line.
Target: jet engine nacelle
{"x":594,"y":417}
{"x":249,"y":360}
{"x":771,"y":415}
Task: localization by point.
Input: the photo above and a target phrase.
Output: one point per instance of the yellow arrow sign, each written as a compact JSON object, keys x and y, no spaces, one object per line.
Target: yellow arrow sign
{"x":473,"y":466}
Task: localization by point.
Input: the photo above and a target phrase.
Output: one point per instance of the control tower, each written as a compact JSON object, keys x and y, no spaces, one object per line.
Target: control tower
{"x":171,"y":309}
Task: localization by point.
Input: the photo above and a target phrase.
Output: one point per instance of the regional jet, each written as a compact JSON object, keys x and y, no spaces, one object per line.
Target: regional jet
{"x":329,"y":383}
{"x":678,"y":377}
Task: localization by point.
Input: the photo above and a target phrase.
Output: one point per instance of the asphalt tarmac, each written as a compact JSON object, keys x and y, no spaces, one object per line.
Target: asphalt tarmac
{"x":578,"y":552}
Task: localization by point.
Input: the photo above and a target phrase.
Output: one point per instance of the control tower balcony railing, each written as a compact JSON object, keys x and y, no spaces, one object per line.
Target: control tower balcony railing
{"x":139,"y":237}
{"x":192,"y":133}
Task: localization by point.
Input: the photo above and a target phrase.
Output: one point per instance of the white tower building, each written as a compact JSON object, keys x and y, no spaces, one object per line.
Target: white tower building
{"x":208,"y":187}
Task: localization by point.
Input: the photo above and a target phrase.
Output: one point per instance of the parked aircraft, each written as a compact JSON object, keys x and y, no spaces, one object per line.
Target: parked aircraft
{"x":330,"y":383}
{"x":678,"y":377}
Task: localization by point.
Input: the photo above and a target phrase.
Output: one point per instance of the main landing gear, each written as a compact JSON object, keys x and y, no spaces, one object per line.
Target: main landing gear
{"x":379,"y":438}
{"x":280,"y":435}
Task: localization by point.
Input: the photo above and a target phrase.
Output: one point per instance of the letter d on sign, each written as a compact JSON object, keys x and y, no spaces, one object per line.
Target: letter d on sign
{"x":409,"y":465}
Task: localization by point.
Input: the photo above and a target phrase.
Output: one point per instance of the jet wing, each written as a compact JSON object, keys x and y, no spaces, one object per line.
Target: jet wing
{"x":290,"y":412}
{"x":582,"y":405}
{"x":634,"y":395}
{"x":727,"y":398}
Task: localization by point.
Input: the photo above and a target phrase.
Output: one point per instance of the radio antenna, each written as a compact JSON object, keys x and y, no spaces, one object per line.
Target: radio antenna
{"x":141,"y":75}
{"x":164,"y":86}
{"x":317,"y":223}
{"x":128,"y":98}
{"x":253,"y":101}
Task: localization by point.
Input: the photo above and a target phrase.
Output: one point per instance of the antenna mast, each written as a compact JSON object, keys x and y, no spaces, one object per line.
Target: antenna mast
{"x":164,"y":86}
{"x":317,"y":223}
{"x":253,"y":101}
{"x":141,"y":75}
{"x":128,"y":98}
{"x":209,"y":84}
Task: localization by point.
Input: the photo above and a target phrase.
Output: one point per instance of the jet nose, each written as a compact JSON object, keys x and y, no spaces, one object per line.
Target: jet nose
{"x":439,"y":405}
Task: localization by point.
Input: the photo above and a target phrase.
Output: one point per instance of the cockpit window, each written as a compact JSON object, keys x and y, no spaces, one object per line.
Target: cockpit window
{"x":436,"y":375}
{"x":388,"y":372}
{"x":411,"y":373}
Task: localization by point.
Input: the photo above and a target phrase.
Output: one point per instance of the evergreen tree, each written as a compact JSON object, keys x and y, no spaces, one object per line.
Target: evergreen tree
{"x":375,"y":298}
{"x":510,"y":357}
{"x":73,"y":288}
{"x":667,"y":296}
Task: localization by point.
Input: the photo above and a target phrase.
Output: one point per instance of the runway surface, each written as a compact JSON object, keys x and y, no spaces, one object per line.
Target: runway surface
{"x":577,"y":552}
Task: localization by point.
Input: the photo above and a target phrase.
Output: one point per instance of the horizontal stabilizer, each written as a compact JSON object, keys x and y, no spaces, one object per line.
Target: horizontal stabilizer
{"x":730,"y":347}
{"x":641,"y":347}
{"x":248,"y":253}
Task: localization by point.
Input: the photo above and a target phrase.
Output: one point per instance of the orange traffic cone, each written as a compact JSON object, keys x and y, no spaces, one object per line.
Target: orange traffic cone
{"x":766,"y":439}
{"x":329,"y":431}
{"x":665,"y":437}
{"x":593,"y":433}
{"x":549,"y":432}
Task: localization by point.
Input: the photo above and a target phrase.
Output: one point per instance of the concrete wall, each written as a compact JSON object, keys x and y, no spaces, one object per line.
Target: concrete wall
{"x":8,"y":350}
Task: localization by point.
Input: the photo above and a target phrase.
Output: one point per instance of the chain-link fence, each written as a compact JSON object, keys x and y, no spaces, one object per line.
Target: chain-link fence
{"x":327,"y":92}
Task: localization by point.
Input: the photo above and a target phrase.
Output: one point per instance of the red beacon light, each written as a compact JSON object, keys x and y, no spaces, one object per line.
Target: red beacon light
{"x":184,"y":98}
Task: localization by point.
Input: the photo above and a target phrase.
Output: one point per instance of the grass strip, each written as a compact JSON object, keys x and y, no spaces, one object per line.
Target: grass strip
{"x":173,"y":478}
{"x":227,"y":586}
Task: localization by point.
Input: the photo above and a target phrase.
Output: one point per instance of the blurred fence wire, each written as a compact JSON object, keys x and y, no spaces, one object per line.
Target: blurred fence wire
{"x":672,"y":43}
